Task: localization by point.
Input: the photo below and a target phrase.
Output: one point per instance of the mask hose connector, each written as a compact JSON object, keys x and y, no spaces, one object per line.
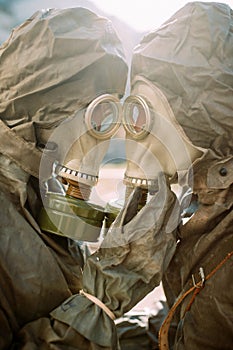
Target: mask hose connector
{"x":78,"y":190}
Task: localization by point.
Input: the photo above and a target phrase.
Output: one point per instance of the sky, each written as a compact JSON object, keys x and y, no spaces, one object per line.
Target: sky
{"x":146,"y":14}
{"x":141,"y":15}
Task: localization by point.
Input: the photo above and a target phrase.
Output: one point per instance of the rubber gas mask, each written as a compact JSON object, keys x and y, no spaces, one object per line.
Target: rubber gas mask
{"x":155,"y":142}
{"x":83,"y":141}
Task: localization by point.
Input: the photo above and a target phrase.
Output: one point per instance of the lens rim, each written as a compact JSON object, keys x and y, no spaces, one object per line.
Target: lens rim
{"x":127,"y":120}
{"x":115,"y":102}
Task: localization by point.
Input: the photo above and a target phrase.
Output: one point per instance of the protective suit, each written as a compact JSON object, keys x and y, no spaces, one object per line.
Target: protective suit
{"x":52,"y":69}
{"x":183,"y":72}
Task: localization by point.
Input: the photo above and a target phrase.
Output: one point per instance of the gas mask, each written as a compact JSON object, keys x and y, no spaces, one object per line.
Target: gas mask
{"x":155,"y":142}
{"x":61,"y":132}
{"x":83,"y":141}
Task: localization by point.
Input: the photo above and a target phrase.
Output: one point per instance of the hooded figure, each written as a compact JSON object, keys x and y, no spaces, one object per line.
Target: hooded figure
{"x":52,"y":66}
{"x":54,"y":70}
{"x":183,"y":73}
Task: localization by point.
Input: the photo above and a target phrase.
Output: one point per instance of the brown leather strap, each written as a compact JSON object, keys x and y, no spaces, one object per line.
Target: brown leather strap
{"x":163,"y":332}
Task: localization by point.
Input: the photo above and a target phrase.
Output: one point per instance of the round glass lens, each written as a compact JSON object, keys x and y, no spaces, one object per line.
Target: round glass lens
{"x":136,"y":116}
{"x":103,"y":116}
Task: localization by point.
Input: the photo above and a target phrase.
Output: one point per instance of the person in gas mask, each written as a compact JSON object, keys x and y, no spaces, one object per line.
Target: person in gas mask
{"x":178,"y":121}
{"x":62,"y":75}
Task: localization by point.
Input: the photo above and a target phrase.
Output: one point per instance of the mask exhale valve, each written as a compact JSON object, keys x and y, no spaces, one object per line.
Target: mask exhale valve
{"x":78,"y":190}
{"x":75,"y":182}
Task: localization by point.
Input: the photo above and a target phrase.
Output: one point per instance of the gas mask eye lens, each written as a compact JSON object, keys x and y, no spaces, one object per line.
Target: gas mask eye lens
{"x":137,"y":117}
{"x":103,"y":116}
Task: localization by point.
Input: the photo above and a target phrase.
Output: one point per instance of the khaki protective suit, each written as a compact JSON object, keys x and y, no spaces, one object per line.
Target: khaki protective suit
{"x":54,"y":64}
{"x":190,"y":59}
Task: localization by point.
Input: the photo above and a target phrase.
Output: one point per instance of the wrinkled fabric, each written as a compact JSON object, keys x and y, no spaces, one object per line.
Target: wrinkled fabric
{"x":52,"y":65}
{"x":37,"y":272}
{"x":129,"y":264}
{"x":138,"y":329}
{"x":205,"y":240}
{"x":69,"y":64}
{"x":42,"y":274}
{"x":190,"y":59}
{"x":132,"y":259}
{"x":132,"y":331}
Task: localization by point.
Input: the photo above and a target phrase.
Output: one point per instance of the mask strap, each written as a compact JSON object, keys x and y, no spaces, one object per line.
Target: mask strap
{"x":23,"y":153}
{"x":99,"y":303}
